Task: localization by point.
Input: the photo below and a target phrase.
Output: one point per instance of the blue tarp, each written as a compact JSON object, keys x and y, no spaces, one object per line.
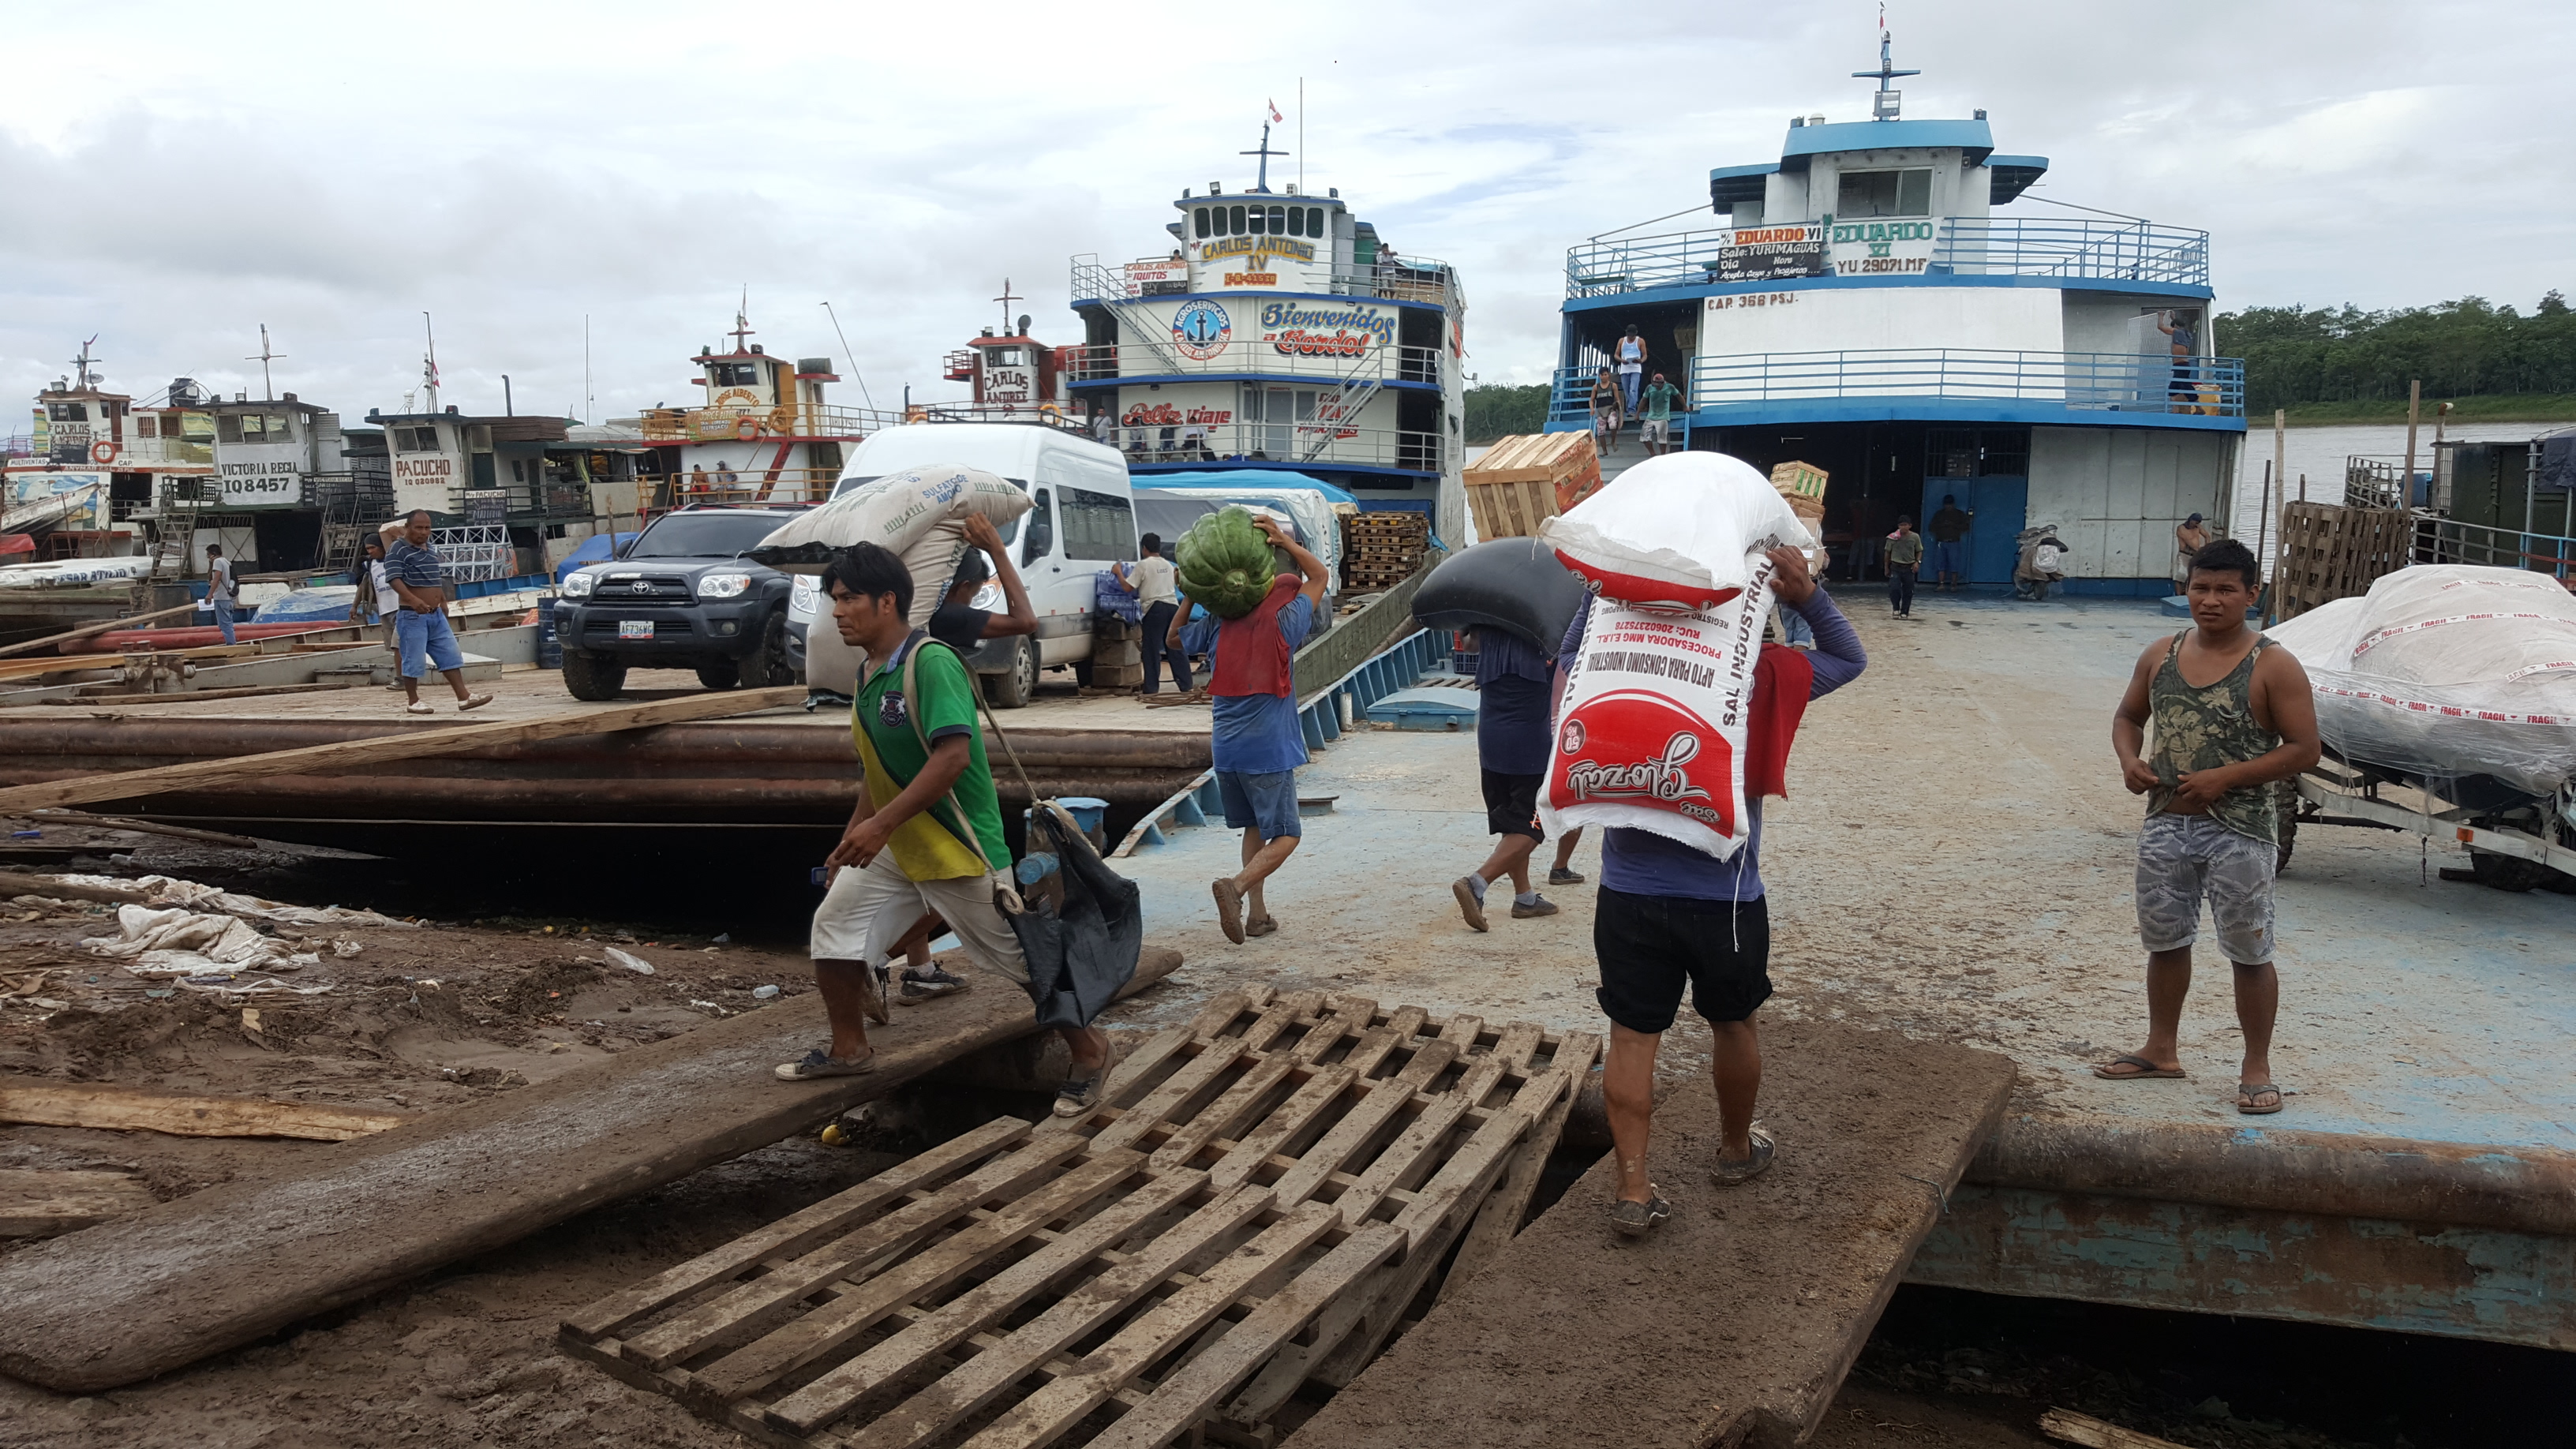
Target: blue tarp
{"x":594,"y":549}
{"x":1254,"y":478}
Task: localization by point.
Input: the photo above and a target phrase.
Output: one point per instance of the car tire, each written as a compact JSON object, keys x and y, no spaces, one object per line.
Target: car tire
{"x":592,"y":676}
{"x":1013,"y":687}
{"x":767,"y":665}
{"x":720,"y":674}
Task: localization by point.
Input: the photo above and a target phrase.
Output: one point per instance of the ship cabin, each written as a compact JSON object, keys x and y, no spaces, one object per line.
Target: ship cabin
{"x":75,"y":483}
{"x":1865,"y":305}
{"x":1014,"y":374}
{"x":761,"y":431}
{"x":1278,"y":331}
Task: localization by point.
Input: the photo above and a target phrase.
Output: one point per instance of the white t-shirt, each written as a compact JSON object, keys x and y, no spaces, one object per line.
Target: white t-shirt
{"x":386,"y":599}
{"x":1153,"y":579}
{"x":219,"y":581}
{"x":1632,"y":355}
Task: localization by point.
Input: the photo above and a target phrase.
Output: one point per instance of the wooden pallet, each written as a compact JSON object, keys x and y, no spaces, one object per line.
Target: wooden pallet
{"x":2331,"y":552}
{"x":1257,"y":1200}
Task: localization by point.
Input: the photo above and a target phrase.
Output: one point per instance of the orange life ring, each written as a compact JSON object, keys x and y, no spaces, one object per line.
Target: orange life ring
{"x":1049,"y":410}
{"x":746,"y":428}
{"x":103,"y":452}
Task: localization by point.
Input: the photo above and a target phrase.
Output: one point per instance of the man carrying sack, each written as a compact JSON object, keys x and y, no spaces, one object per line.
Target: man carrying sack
{"x":927,"y":832}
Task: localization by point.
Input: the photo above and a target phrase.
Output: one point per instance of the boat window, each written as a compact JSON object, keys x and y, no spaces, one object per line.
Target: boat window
{"x":1260,"y":221}
{"x":1006,"y":357}
{"x":734,"y":374}
{"x":415,"y":440}
{"x":1198,"y":220}
{"x":1098,"y":526}
{"x":145,"y":426}
{"x":1278,"y":221}
{"x":1296,"y":221}
{"x":67,"y":412}
{"x":1314,"y":221}
{"x":1040,"y":529}
{"x":1235,"y":228}
{"x":1885,"y":193}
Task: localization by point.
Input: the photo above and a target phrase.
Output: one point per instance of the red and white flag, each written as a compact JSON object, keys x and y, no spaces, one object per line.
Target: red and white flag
{"x":1275,"y":117}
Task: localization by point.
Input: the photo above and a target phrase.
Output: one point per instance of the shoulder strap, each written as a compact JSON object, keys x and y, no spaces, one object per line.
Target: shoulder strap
{"x":964,"y":829}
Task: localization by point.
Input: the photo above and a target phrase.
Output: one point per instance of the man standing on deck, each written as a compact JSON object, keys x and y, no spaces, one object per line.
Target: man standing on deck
{"x":1950,"y":525}
{"x":223,"y":594}
{"x":1669,"y":916}
{"x":1258,"y":744}
{"x":1158,"y":593}
{"x":926,"y":835}
{"x":1629,"y":352}
{"x":421,"y":631}
{"x":2234,"y":717}
{"x":1512,"y":737}
{"x":2184,"y":390}
{"x":1904,"y":561}
{"x":1656,"y":432}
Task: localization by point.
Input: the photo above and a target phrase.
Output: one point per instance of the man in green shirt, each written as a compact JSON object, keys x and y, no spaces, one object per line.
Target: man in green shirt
{"x":1904,"y":560}
{"x":926,"y":834}
{"x":1657,"y":404}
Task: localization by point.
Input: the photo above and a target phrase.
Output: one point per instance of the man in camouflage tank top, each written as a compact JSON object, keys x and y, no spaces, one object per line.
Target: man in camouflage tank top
{"x":2234,"y":721}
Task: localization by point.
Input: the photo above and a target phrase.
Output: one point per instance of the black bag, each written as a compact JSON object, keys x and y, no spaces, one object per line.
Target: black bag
{"x":1512,"y":584}
{"x":1081,"y":925}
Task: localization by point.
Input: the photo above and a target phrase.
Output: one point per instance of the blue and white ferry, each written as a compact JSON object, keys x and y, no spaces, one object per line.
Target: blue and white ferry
{"x":1869,"y":308}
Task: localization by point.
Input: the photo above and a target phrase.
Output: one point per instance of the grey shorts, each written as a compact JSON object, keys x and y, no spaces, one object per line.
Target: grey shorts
{"x":2183,"y":857}
{"x":1656,"y":430}
{"x":867,"y":912}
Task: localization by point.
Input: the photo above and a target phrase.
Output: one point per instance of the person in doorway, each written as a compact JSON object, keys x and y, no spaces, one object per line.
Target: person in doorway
{"x":2184,"y":390}
{"x":1669,"y":917}
{"x":1258,"y":743}
{"x":223,"y":591}
{"x":1629,"y":352}
{"x":2234,"y":720}
{"x":1607,"y":419}
{"x":1656,"y":429}
{"x":1512,"y":738}
{"x":375,"y":588}
{"x":1157,"y":588}
{"x":422,"y":635}
{"x":1950,"y":525}
{"x":1904,"y":561}
{"x":926,"y":835}
{"x":2190,"y":537}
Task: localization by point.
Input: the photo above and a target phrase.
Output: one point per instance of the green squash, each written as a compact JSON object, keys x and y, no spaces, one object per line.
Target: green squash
{"x":1225,"y":563}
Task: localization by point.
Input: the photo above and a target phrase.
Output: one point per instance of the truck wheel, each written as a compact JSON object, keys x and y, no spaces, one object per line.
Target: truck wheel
{"x":592,"y":676}
{"x":767,"y":665}
{"x":1013,"y":687}
{"x":2507,"y":872}
{"x":720,"y":674}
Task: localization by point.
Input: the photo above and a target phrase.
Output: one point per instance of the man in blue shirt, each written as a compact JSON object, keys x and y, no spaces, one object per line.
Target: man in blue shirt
{"x":1512,"y":734}
{"x":1258,"y":745}
{"x":1669,"y":916}
{"x":420,"y":581}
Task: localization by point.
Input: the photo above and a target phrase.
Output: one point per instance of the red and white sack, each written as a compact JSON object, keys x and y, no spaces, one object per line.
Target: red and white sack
{"x":1681,"y":531}
{"x":1657,"y":710}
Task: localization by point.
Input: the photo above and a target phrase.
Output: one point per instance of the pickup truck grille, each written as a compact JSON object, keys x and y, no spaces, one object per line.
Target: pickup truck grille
{"x":651,"y":589}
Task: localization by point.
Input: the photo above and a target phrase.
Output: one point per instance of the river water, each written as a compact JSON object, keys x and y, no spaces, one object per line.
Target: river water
{"x":2319,"y":453}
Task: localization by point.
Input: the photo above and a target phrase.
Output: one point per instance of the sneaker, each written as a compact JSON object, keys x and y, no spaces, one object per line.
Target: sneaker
{"x":1636,"y":1219}
{"x":940,"y":982}
{"x":1229,"y":907}
{"x":819,"y":1063}
{"x":1559,"y":875}
{"x":1471,"y":901}
{"x":1540,"y":907}
{"x":1078,"y":1095}
{"x":1727,"y":1173}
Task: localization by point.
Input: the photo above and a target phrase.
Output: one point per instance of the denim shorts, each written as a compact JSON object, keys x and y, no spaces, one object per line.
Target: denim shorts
{"x":1266,"y":801}
{"x":2184,"y":857}
{"x":426,"y":634}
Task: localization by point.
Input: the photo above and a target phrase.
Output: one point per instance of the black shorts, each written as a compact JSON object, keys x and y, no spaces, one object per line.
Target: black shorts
{"x":1511,"y":804}
{"x":1649,"y":946}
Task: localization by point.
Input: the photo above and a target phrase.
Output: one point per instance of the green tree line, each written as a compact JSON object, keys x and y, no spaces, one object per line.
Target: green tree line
{"x":2467,"y":348}
{"x":1501,"y":412}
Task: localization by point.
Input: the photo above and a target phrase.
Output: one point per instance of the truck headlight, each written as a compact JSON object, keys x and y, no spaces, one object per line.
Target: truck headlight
{"x":577,"y":585}
{"x":723,"y":586}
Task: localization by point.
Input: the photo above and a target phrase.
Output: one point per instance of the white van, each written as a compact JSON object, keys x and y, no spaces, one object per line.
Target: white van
{"x":1084,"y":520}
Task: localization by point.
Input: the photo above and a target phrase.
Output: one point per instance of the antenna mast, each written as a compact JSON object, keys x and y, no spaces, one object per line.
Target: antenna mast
{"x":429,"y":364}
{"x":1264,"y":152}
{"x":83,"y":378}
{"x":267,"y":389}
{"x":1006,"y":299}
{"x":1885,"y":105}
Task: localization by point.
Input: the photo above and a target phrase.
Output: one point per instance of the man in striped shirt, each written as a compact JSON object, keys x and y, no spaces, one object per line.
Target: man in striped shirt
{"x":420,"y":581}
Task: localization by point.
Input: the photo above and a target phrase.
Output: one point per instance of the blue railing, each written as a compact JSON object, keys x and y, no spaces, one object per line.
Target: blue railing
{"x":2097,"y":250}
{"x":2097,"y":381}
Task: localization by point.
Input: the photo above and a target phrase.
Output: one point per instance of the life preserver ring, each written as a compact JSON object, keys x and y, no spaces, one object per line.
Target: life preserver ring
{"x":103,"y":452}
{"x":916,"y":414}
{"x":1049,"y":410}
{"x":746,"y":428}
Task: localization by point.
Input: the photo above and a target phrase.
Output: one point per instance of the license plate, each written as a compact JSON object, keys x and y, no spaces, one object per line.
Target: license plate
{"x":634,"y":628}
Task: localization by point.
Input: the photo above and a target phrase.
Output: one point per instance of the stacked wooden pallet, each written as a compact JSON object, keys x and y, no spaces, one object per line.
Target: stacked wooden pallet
{"x":1117,"y":653}
{"x":1523,"y":481}
{"x":1258,"y":1201}
{"x":1382,"y":549}
{"x":2331,"y":552}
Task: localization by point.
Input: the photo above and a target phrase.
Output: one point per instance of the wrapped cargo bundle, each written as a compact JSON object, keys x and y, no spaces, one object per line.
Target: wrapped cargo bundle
{"x":1658,"y":706}
{"x":1512,"y":584}
{"x":919,"y":513}
{"x":2447,"y":671}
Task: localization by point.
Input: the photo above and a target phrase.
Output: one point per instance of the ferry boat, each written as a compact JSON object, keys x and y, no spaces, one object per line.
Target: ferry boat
{"x":761,"y":433}
{"x":1278,"y":333}
{"x":88,"y":462}
{"x":1865,"y":309}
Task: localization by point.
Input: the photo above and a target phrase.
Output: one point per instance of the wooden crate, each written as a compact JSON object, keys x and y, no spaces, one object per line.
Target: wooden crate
{"x":2331,"y":552}
{"x":1258,"y":1199}
{"x":1563,"y":463}
{"x":1800,"y":480}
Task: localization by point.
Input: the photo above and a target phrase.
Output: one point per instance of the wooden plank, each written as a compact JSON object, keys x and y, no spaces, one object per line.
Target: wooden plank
{"x":1185,"y":1396}
{"x":412,"y":744}
{"x":18,"y":883}
{"x":191,"y":696}
{"x":104,"y":626}
{"x":39,"y":1202}
{"x":981,"y":1379}
{"x":1231,"y":1112}
{"x":804,"y":1339}
{"x":115,"y":1109}
{"x":2073,"y":1428}
{"x":725,"y":1315}
{"x":1255,"y":1267}
{"x":980,"y":1307}
{"x":1500,"y":1217}
{"x":1355,"y":1130}
{"x":251,"y":1256}
{"x":146,"y":827}
{"x":1179,"y":1095}
{"x":793,"y":1234}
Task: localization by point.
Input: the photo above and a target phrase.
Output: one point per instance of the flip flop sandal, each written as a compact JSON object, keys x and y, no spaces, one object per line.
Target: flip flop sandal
{"x":1727,"y":1173}
{"x":2145,"y":1069}
{"x":817,"y":1064}
{"x":2249,"y":1100}
{"x":1636,"y":1219}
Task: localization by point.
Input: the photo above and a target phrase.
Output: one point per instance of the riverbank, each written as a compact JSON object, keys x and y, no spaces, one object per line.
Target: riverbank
{"x":2519,"y":407}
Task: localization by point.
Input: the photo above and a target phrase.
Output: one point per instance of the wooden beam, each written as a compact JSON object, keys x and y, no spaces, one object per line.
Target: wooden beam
{"x":37,"y":1203}
{"x":116,"y":1110}
{"x":2074,"y":1428}
{"x":185,"y":696}
{"x":351,"y":754}
{"x":107,"y":626}
{"x":18,"y":883}
{"x":145,"y":827}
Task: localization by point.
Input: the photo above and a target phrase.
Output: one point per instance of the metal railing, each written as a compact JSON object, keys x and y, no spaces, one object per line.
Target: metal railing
{"x":2375,"y":482}
{"x":2449,"y":541}
{"x":751,"y":424}
{"x":1322,"y":444}
{"x":1103,"y":362}
{"x":2096,"y":381}
{"x":1965,"y":246}
{"x":1405,"y":279}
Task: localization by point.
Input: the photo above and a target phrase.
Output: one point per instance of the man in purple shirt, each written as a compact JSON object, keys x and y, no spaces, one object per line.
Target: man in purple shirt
{"x":1669,"y":916}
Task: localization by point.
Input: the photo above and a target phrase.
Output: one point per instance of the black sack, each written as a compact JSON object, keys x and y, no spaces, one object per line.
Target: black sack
{"x":1082,"y":927}
{"x":1512,"y":584}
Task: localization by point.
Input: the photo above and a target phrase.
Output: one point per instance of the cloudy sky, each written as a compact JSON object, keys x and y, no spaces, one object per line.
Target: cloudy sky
{"x":176,"y":175}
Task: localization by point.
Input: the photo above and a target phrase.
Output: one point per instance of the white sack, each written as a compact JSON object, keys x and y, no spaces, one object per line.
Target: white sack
{"x":1679,"y":531}
{"x":172,"y":890}
{"x":181,"y":942}
{"x":2447,"y":670}
{"x":1657,"y":710}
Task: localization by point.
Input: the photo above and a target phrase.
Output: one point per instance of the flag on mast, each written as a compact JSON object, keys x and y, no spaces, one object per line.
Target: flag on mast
{"x":1275,"y":117}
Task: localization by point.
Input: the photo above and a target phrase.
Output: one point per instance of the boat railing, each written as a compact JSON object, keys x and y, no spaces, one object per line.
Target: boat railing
{"x":2100,"y":381}
{"x":1321,"y":443}
{"x":1396,"y":278}
{"x":1319,"y":359}
{"x":2375,"y":482}
{"x":2440,"y":540}
{"x":2138,"y":251}
{"x":751,"y":424}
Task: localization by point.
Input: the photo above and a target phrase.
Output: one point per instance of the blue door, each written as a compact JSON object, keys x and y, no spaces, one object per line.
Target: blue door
{"x":2002,"y":508}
